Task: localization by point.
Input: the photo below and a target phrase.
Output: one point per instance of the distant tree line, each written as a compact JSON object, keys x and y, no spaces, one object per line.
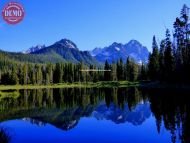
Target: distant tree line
{"x":28,"y":73}
{"x":170,"y":61}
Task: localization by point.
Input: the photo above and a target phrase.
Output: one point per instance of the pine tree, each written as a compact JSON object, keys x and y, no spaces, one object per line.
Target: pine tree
{"x":154,"y":61}
{"x":14,"y":77}
{"x":128,"y":69}
{"x":25,"y":74}
{"x":131,"y":70}
{"x":185,"y":27}
{"x":58,"y":73}
{"x":161,"y":60}
{"x":168,"y":58}
{"x":120,"y":70}
{"x":143,"y":74}
{"x":107,"y":74}
{"x":113,"y":72}
{"x":39,"y":76}
{"x":33,"y":75}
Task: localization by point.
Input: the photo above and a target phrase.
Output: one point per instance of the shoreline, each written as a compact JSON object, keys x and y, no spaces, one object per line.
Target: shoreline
{"x":101,"y":84}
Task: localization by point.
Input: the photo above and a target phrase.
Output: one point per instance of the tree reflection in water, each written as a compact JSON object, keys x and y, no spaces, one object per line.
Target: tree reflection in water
{"x":5,"y":137}
{"x":63,"y":108}
{"x":173,"y":109}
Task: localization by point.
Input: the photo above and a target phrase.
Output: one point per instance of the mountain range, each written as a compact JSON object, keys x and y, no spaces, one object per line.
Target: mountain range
{"x":61,"y":51}
{"x":67,"y":51}
{"x":114,"y":52}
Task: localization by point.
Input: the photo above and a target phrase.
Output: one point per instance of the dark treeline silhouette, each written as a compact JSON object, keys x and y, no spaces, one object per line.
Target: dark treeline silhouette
{"x":170,"y":61}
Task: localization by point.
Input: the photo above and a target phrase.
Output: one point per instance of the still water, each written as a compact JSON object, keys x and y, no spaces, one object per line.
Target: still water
{"x":80,"y":115}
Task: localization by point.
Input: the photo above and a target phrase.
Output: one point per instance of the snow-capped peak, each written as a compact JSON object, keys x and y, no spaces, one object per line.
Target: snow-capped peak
{"x":66,"y":43}
{"x":34,"y":49}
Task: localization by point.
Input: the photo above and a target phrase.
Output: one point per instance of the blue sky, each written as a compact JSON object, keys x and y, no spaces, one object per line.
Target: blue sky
{"x":89,"y":23}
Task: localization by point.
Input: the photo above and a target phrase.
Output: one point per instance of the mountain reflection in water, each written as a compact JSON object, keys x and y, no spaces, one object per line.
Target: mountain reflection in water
{"x":64,"y":108}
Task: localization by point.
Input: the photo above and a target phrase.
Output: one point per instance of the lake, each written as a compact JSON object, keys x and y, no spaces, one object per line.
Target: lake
{"x":83,"y":115}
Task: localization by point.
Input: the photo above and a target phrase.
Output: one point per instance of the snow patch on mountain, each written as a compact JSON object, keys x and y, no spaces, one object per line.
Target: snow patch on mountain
{"x":118,"y":49}
{"x":34,"y":49}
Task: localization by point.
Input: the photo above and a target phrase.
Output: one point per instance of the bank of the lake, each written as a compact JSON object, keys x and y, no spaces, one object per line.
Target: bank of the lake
{"x":106,"y":84}
{"x":101,"y":84}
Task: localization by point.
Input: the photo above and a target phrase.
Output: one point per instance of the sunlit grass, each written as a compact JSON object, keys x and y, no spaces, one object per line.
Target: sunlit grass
{"x":72,"y":85}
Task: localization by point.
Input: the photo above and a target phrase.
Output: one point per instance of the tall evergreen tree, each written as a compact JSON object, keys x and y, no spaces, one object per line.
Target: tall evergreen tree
{"x":161,"y":60}
{"x":14,"y":76}
{"x":131,"y":70}
{"x":154,"y":61}
{"x":168,"y":58}
{"x":58,"y":73}
{"x":107,"y":74}
{"x":39,"y":76}
{"x":128,"y":69}
{"x":113,"y":72}
{"x":120,"y":69}
{"x":143,"y":74}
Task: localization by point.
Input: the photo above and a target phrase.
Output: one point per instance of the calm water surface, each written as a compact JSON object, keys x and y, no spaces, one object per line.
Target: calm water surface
{"x":119,"y":115}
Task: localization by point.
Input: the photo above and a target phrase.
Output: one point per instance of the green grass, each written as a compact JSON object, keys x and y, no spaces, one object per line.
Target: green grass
{"x":105,"y":84}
